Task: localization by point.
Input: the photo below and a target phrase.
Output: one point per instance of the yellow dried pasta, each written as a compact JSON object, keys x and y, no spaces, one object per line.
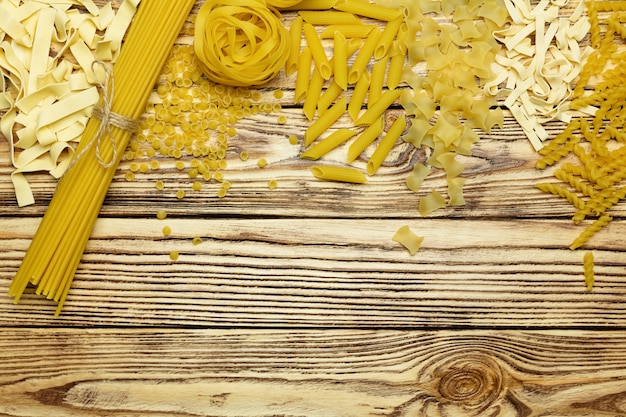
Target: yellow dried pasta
{"x":407,"y":238}
{"x":240,"y":44}
{"x":593,"y":177}
{"x":43,"y":121}
{"x":341,"y":174}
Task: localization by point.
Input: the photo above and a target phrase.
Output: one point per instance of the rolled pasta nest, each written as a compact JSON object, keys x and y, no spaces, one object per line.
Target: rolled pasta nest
{"x":240,"y":43}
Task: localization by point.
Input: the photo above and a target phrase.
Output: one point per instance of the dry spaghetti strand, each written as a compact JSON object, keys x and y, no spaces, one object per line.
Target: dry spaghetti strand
{"x":57,"y":247}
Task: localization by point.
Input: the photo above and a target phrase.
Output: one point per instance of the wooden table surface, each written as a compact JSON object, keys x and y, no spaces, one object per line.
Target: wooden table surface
{"x":298,"y":302}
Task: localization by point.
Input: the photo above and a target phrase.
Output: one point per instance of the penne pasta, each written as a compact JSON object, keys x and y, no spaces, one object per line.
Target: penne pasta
{"x":377,"y":81}
{"x":363,"y":57}
{"x":324,"y":121}
{"x":317,"y":51}
{"x":358,"y":96}
{"x":349,"y":31}
{"x":329,"y":17}
{"x":312,"y":5}
{"x":386,"y":144}
{"x":303,"y":75}
{"x":376,"y":109}
{"x":396,"y":66}
{"x":341,"y":174}
{"x":327,"y":144}
{"x":365,"y":139}
{"x":328,"y":97}
{"x":387,"y":37}
{"x":313,"y":94}
{"x":295,"y":37}
{"x":340,"y":60}
{"x":366,"y":9}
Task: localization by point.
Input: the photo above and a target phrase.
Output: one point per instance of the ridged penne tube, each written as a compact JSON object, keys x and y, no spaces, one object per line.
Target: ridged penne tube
{"x":349,"y":31}
{"x":312,"y":5}
{"x":340,"y":60}
{"x":396,"y":66}
{"x":386,"y":144}
{"x":313,"y":92}
{"x":376,"y":110}
{"x":328,"y":97}
{"x":377,"y":82}
{"x":366,"y":9}
{"x":365,"y":139}
{"x":317,"y":51}
{"x":324,"y":121}
{"x":358,"y":96}
{"x":341,"y":174}
{"x":387,"y":37}
{"x":363,"y":57}
{"x":327,"y":144}
{"x":295,"y":37}
{"x":304,"y":75}
{"x":329,"y":17}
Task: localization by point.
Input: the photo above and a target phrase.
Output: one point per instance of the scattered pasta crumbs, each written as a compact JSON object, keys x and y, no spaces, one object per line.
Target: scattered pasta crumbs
{"x":167,"y":230}
{"x":262,"y":163}
{"x":196,"y":240}
{"x":130,"y":176}
{"x":293,"y":139}
{"x":272,"y":184}
{"x":174,"y":255}
{"x":180,"y":194}
{"x":159,"y":185}
{"x":243,"y":156}
{"x":161,"y":214}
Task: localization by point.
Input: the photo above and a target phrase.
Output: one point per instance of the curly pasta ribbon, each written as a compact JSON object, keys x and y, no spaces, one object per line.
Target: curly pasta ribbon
{"x":240,"y":42}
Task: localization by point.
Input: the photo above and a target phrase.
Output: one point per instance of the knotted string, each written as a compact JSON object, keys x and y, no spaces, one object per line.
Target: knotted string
{"x":107,"y":118}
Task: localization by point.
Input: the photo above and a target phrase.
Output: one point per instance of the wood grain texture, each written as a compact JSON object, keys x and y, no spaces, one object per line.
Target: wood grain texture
{"x":330,"y":272}
{"x":298,"y":303}
{"x":113,"y":372}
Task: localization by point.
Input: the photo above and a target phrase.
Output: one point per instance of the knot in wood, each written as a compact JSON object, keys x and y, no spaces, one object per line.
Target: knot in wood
{"x":472,"y":381}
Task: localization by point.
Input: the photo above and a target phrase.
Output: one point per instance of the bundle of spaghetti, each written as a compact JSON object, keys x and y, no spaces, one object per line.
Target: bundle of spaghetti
{"x":57,"y":247}
{"x":240,"y":43}
{"x":593,"y":179}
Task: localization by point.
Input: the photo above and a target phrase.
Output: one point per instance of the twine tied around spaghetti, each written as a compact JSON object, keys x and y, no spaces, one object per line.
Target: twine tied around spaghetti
{"x":107,"y":117}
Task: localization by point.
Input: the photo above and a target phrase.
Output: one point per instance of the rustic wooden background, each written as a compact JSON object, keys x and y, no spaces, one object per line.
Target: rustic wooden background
{"x":298,"y":303}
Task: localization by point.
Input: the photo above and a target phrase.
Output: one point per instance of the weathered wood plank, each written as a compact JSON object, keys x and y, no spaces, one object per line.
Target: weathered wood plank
{"x":329,"y":272}
{"x":500,"y":177}
{"x":116,"y":372}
